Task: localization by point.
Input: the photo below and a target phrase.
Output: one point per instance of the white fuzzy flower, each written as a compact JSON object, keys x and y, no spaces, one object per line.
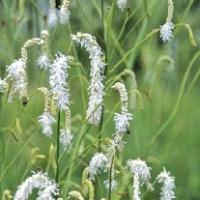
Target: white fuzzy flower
{"x":43,"y":61}
{"x":46,"y":120}
{"x":58,"y":80}
{"x":167,"y":191}
{"x":96,"y":88}
{"x":52,"y":20}
{"x":98,"y":162}
{"x":122,"y":121}
{"x":141,"y":175}
{"x":140,"y":168}
{"x":166,"y":31}
{"x":122,"y":4}
{"x":47,"y":189}
{"x":3,"y":86}
{"x":66,"y":139}
{"x":17,"y":74}
{"x":64,"y":12}
{"x":114,"y":184}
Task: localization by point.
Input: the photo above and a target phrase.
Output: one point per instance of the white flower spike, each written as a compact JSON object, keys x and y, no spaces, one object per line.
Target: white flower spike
{"x":47,"y":189}
{"x":166,"y":30}
{"x":98,"y":162}
{"x":96,"y":88}
{"x":141,"y":175}
{"x":167,"y":190}
{"x":58,"y":80}
{"x":122,"y":119}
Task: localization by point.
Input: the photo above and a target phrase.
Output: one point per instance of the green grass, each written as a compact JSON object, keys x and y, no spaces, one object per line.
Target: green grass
{"x":165,"y":129}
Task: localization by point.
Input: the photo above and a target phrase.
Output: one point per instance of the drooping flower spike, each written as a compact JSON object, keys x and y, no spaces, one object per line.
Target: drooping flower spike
{"x":166,"y":30}
{"x":122,"y":119}
{"x":96,"y":88}
{"x":17,"y":76}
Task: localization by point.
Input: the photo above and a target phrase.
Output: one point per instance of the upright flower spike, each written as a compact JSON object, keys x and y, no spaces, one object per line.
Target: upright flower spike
{"x":59,"y":80}
{"x":47,"y":189}
{"x":141,"y":175}
{"x":122,"y":4}
{"x":98,"y":162}
{"x":167,"y":190}
{"x":166,"y":29}
{"x":122,"y":119}
{"x":65,"y":134}
{"x":52,"y":20}
{"x":64,"y":12}
{"x":96,"y":88}
{"x":46,"y":120}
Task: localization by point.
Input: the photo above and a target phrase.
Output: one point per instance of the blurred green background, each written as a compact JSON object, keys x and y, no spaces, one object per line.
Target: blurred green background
{"x":161,"y":74}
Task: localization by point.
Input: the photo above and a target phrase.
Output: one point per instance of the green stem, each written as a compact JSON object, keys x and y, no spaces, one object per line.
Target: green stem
{"x":105,"y":51}
{"x":110,"y":178}
{"x":1,"y":139}
{"x":58,"y":148}
{"x":74,"y":155}
{"x":180,"y":95}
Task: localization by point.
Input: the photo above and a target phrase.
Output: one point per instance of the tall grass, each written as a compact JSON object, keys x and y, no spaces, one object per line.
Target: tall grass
{"x":164,"y":131}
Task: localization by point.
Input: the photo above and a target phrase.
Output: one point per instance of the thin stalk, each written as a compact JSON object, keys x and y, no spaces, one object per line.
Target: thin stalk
{"x":106,"y":59}
{"x":58,"y":148}
{"x":1,"y":138}
{"x":74,"y":154}
{"x":178,"y":102}
{"x":110,"y":178}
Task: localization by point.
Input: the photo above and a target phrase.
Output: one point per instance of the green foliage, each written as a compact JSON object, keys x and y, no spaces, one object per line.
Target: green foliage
{"x":165,"y":129}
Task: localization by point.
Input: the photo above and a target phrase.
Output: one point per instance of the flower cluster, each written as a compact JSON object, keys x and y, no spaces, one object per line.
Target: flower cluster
{"x":141,"y":175}
{"x":47,"y":189}
{"x":43,"y":61}
{"x":96,"y":88}
{"x":167,"y":191}
{"x":166,"y":29}
{"x":58,"y":80}
{"x":98,"y":162}
{"x":122,"y":119}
